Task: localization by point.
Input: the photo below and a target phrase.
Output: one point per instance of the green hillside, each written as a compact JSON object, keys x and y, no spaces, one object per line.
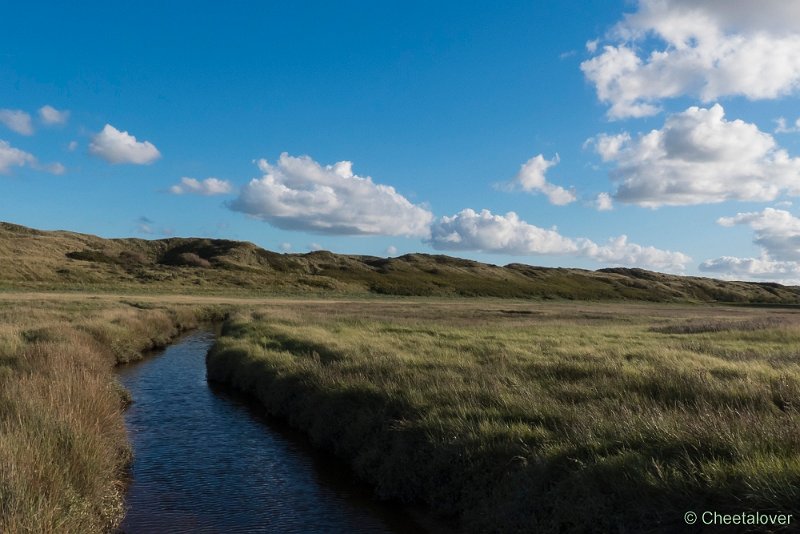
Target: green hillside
{"x":60,"y":260}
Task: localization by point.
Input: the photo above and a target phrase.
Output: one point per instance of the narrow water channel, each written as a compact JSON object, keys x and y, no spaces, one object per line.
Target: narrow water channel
{"x":205,"y":460}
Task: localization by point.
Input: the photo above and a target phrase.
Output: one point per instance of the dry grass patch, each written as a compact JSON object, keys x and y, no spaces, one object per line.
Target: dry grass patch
{"x":63,"y":447}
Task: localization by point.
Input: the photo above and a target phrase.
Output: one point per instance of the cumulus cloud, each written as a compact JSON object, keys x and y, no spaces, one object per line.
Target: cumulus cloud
{"x":777,"y":234}
{"x":207,"y":187}
{"x":50,"y":115}
{"x":702,"y":48}
{"x":286,"y":247}
{"x":115,"y":146}
{"x":13,"y":157}
{"x":508,"y":234}
{"x":17,"y":121}
{"x":699,"y":157}
{"x":776,"y":231}
{"x":758,"y":269}
{"x":391,"y":250}
{"x":619,"y":251}
{"x":297,"y":193}
{"x":603,"y":202}
{"x":531,"y":178}
{"x":782,"y":127}
{"x":469,"y":230}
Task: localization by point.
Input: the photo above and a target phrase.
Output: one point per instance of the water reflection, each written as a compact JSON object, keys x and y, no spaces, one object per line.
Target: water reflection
{"x":205,"y":461}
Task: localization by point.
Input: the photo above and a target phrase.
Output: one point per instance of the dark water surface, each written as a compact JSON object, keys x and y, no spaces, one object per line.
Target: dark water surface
{"x":207,"y":461}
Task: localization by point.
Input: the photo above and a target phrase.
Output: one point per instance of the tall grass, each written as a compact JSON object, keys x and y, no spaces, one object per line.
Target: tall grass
{"x":63,"y":447}
{"x":549,"y":418}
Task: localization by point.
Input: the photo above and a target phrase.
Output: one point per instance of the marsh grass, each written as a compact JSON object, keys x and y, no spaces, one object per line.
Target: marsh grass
{"x":553,"y":417}
{"x":63,"y":447}
{"x":703,"y":326}
{"x":507,"y":415}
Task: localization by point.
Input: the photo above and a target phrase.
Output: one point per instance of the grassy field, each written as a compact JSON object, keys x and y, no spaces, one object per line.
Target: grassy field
{"x":558,"y":417}
{"x":63,"y":448}
{"x":503,"y":414}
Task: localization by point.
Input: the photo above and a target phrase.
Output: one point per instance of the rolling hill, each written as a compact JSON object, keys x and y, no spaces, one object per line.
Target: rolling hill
{"x":61,"y":260}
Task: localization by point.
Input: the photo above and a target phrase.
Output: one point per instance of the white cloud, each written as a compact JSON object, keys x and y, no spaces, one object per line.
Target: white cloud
{"x":777,"y":233}
{"x":702,"y":48}
{"x":50,"y":115}
{"x":469,"y":230}
{"x":603,"y":202}
{"x":13,"y":157}
{"x":72,"y":146}
{"x":531,"y":178}
{"x":286,"y":247}
{"x":121,"y":147}
{"x":298,"y":193}
{"x":782,"y":127}
{"x":207,"y":187}
{"x":313,"y":247}
{"x":53,"y":168}
{"x":759,"y":269}
{"x":619,"y":251}
{"x":508,"y":234}
{"x":391,"y":250}
{"x":699,"y":157}
{"x":16,"y":120}
{"x":609,"y":146}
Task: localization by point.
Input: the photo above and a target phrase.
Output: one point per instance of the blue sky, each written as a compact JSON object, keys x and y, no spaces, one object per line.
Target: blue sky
{"x":488,"y":130}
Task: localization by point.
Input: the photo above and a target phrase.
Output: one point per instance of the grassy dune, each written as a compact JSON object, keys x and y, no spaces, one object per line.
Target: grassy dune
{"x":538,"y":417}
{"x":63,"y":447}
{"x":38,"y":260}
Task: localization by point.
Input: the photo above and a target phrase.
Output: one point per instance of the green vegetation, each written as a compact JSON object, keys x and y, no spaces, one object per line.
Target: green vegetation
{"x":536,"y":414}
{"x":63,"y":448}
{"x":538,"y":417}
{"x":37,"y":260}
